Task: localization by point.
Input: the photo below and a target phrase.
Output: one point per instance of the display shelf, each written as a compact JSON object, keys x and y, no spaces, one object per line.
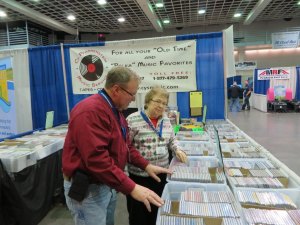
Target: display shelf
{"x":19,"y":153}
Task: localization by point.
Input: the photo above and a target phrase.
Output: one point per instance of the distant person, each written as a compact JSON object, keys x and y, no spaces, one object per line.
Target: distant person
{"x":234,"y":104}
{"x":246,"y":95}
{"x":97,"y":148}
{"x":152,"y":134}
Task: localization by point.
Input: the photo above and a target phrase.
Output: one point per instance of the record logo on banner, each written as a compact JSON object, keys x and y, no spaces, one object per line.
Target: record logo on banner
{"x":91,"y":66}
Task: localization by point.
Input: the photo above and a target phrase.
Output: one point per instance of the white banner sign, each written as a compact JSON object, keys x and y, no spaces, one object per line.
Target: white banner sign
{"x":274,"y":73}
{"x":171,"y":65}
{"x":285,"y":39}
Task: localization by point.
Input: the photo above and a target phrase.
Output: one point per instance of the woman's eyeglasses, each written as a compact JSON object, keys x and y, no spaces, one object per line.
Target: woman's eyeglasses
{"x":159,"y":102}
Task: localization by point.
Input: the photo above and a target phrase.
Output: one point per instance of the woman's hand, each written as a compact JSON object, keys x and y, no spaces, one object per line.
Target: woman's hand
{"x":154,"y":170}
{"x":181,"y":156}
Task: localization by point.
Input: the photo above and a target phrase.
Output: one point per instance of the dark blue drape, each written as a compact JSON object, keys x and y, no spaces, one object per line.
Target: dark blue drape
{"x":237,"y":78}
{"x":209,"y":75}
{"x":260,"y":86}
{"x":47,"y":85}
{"x":297,"y":93}
{"x":230,"y":81}
{"x":75,"y":98}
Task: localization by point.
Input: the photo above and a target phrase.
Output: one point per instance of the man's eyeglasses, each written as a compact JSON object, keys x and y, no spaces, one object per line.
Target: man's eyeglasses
{"x":159,"y":102}
{"x":132,"y":95}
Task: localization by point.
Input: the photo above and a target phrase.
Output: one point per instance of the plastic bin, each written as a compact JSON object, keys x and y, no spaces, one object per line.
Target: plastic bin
{"x":198,"y":170}
{"x":172,"y":191}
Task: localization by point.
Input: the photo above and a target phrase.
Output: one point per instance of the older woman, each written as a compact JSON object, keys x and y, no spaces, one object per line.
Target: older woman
{"x":153,"y":135}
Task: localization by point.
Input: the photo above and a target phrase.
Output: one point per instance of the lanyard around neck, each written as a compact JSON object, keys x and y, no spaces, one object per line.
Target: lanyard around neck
{"x":159,"y":133}
{"x":116,"y":112}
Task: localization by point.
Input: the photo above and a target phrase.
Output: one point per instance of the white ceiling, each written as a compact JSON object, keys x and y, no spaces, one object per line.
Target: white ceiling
{"x":92,"y":17}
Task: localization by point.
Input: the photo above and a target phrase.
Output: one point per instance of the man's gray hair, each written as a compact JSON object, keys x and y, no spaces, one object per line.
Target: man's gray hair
{"x":120,"y":75}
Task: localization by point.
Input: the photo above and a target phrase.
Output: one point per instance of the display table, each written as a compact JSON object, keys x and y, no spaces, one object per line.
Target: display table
{"x":292,"y":105}
{"x":30,"y":176}
{"x":279,"y":106}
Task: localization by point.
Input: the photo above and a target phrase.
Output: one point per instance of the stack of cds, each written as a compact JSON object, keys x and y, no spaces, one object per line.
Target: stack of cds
{"x":216,"y":210}
{"x":295,"y":215}
{"x":234,"y":173}
{"x":192,"y":195}
{"x":233,"y":150}
{"x":171,"y":220}
{"x":195,"y":174}
{"x":256,"y":182}
{"x":276,"y":173}
{"x":232,"y":221}
{"x":249,"y":164}
{"x":207,"y":209}
{"x":274,"y":217}
{"x":197,"y":148}
{"x":192,"y":136}
{"x":259,"y":173}
{"x":267,"y":199}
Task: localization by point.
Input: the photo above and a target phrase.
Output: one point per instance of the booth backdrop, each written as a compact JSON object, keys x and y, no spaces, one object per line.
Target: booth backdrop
{"x":48,"y":88}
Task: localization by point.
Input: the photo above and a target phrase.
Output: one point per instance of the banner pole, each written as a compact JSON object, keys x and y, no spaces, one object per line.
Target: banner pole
{"x":65,"y":78}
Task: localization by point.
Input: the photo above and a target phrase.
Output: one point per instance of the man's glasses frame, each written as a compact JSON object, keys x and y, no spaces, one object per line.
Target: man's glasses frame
{"x":132,"y":95}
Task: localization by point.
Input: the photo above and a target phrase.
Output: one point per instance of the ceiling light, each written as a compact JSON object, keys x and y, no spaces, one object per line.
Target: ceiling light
{"x":121,"y":19}
{"x":101,"y":2}
{"x":166,"y":21}
{"x":3,"y":14}
{"x":71,"y":17}
{"x":201,"y":11}
{"x":298,"y":3}
{"x":159,"y":5}
{"x":237,"y":15}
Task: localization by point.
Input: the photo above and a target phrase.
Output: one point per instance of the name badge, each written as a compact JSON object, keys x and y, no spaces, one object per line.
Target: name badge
{"x":161,"y":150}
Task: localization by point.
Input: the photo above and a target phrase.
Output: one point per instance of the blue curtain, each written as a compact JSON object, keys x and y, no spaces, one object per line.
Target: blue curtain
{"x":237,"y":78}
{"x":47,"y":85}
{"x":209,"y":75}
{"x":75,"y":98}
{"x":260,"y":86}
{"x":297,"y":93}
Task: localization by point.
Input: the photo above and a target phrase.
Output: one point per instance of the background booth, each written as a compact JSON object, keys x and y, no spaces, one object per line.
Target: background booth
{"x":261,"y":87}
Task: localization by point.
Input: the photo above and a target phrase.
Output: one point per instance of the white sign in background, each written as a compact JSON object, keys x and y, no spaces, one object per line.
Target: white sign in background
{"x":171,"y":65}
{"x":285,"y":39}
{"x":274,"y":73}
{"x":8,"y":124}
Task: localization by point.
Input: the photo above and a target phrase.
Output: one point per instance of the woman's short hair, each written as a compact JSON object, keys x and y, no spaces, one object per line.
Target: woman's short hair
{"x":155,"y":91}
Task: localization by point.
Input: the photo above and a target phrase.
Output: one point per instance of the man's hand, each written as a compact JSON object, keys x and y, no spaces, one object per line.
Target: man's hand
{"x":146,"y":196}
{"x":181,"y":156}
{"x":154,"y":170}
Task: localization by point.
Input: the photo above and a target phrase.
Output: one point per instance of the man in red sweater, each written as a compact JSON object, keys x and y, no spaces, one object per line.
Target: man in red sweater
{"x":96,"y":150}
